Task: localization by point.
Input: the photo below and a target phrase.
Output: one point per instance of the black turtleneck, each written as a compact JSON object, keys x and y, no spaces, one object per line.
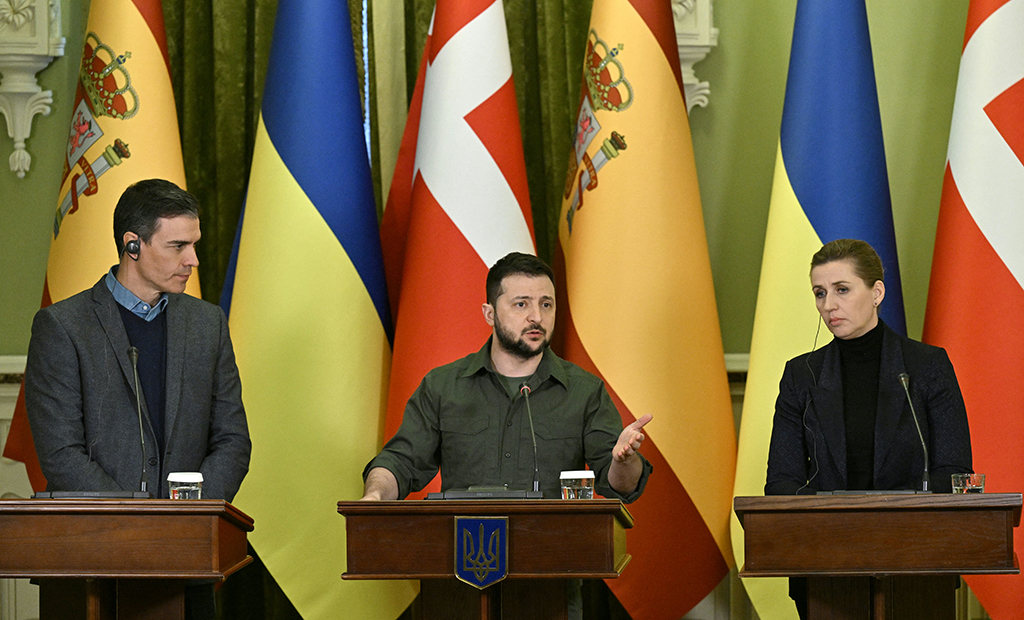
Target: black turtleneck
{"x":860,"y":360}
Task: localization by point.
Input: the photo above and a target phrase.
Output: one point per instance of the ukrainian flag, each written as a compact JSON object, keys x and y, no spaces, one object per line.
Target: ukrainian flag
{"x":309,"y":316}
{"x":830,"y":183}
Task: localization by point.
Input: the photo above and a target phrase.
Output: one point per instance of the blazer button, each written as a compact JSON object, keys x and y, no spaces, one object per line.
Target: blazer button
{"x":152,"y":461}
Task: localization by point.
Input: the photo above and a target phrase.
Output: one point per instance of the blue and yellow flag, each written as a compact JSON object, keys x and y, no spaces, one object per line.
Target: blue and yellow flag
{"x":830,"y":183}
{"x":309,"y":316}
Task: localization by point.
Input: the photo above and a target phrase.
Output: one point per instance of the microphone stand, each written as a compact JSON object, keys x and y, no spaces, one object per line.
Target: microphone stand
{"x":525,"y":390}
{"x":905,"y":382}
{"x":133,"y":355}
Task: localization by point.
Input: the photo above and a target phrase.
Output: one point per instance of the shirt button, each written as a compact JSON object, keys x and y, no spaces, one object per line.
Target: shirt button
{"x":509,"y":423}
{"x":508,"y":455}
{"x":152,"y":461}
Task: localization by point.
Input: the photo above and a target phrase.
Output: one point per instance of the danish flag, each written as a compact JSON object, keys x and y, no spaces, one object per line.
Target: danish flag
{"x":976,"y":295}
{"x":458,"y":201}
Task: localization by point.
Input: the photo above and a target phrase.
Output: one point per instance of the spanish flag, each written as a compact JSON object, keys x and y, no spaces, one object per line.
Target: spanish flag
{"x":124,"y":128}
{"x":976,"y":294}
{"x":309,"y":316}
{"x":830,"y":183}
{"x":638,"y":304}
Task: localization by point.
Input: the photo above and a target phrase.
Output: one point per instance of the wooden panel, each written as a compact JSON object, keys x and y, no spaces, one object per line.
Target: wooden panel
{"x":151,"y":599}
{"x":547,"y":538}
{"x":516,"y":598}
{"x":904,"y":597}
{"x":923,"y":598}
{"x":77,"y":599}
{"x":380,"y":546}
{"x":121,"y":538}
{"x":839,"y":598}
{"x":869,"y":535}
{"x":540,"y":600}
{"x":449,"y":598}
{"x":561,"y":544}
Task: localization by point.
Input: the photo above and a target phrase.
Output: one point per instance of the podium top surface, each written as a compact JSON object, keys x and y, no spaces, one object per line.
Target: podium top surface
{"x":936,"y":501}
{"x":489,"y":507}
{"x":113,"y":507}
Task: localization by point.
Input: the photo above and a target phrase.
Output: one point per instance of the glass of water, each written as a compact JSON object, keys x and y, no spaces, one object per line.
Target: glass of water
{"x":185,"y":485}
{"x":968,"y":483}
{"x":577,"y":484}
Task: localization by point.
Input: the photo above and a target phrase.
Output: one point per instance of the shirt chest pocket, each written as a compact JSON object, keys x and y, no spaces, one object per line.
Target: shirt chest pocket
{"x":464,"y":441}
{"x":559,"y":443}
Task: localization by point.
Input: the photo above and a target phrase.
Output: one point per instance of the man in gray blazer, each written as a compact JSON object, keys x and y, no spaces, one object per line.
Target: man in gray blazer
{"x":80,"y":384}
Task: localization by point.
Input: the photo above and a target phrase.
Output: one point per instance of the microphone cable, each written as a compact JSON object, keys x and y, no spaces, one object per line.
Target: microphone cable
{"x":807,"y":406}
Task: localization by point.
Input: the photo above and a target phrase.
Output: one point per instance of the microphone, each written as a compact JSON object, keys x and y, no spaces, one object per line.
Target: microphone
{"x":133,"y":355}
{"x":905,"y":382}
{"x":525,"y":391}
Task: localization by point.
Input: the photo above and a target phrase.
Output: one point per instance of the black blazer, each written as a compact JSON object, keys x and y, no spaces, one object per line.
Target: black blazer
{"x":808,"y":445}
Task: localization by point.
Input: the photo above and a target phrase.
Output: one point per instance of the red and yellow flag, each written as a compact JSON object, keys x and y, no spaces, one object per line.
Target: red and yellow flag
{"x":638,"y":308}
{"x":976,"y":295}
{"x":124,"y":128}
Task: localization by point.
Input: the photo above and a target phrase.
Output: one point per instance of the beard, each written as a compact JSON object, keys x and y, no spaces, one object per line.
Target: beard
{"x":517,"y":346}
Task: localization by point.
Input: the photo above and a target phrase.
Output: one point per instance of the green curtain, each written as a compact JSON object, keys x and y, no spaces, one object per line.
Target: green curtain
{"x":219,"y":51}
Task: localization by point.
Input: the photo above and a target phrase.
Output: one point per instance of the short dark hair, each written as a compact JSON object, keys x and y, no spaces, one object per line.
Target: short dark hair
{"x":514,"y":264}
{"x":866,"y":262}
{"x":145,"y":202}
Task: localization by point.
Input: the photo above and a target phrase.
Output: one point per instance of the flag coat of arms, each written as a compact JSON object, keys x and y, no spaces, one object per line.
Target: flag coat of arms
{"x":637,"y":306}
{"x":124,"y":128}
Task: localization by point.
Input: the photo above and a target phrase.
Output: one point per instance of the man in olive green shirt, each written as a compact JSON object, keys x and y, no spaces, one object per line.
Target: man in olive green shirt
{"x":469,"y":418}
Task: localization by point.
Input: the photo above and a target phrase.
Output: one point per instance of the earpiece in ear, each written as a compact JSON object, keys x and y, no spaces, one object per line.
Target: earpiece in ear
{"x":132,"y":249}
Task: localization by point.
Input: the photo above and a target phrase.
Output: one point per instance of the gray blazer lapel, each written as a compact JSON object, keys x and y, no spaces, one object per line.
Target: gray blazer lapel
{"x":177,"y":330}
{"x":113,"y":326}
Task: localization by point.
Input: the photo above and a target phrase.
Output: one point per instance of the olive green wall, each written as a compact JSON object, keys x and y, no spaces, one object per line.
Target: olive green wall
{"x":916,"y":47}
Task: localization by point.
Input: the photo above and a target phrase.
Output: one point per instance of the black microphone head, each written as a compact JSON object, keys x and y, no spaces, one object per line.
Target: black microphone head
{"x":133,"y":355}
{"x":524,"y":389}
{"x":904,"y":379}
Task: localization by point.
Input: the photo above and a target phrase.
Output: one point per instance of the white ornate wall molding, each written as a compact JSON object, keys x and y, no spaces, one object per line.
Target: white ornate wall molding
{"x":13,"y":479}
{"x":19,"y":600}
{"x":29,"y":41}
{"x":695,"y":36}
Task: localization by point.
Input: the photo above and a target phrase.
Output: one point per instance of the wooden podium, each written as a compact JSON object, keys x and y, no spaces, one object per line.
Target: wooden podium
{"x":549,"y":541}
{"x":104,"y":559}
{"x":879,"y":556}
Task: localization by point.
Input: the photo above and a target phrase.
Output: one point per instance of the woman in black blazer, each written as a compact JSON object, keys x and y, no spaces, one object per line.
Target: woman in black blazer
{"x":842,"y":420}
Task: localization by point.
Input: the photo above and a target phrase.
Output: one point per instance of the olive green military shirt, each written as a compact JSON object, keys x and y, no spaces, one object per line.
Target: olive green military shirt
{"x":463,"y":421}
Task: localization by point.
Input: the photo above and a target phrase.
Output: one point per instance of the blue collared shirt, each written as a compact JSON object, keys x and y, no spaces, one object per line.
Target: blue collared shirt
{"x":131,"y":301}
